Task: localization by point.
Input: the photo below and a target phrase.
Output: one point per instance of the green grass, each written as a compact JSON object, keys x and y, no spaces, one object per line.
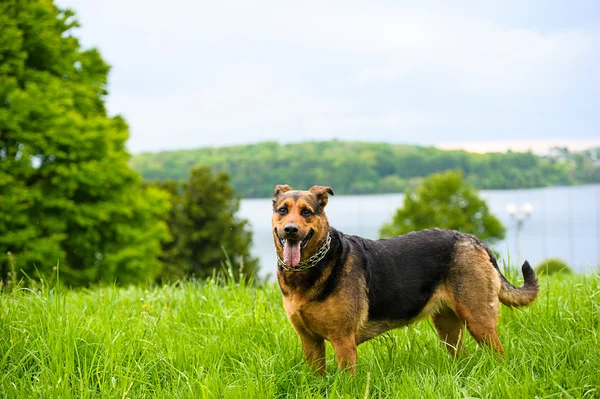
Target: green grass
{"x":213,"y":340}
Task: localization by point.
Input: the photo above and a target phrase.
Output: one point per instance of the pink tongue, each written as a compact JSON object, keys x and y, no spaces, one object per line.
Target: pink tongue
{"x":291,"y":253}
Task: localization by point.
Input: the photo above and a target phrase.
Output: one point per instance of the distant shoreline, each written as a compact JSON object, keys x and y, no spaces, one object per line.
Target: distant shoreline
{"x":353,"y":167}
{"x":480,"y":190}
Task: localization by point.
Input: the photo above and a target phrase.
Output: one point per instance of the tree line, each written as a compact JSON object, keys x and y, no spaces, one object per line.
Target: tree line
{"x":367,"y":168}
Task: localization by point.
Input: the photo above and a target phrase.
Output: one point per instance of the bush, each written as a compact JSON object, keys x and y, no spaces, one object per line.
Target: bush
{"x":445,"y":200}
{"x":552,"y":266}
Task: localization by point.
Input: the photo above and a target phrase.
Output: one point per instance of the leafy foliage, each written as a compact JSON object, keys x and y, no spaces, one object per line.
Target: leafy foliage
{"x":204,"y":230}
{"x":445,"y":200}
{"x":359,"y":168}
{"x":552,"y":266}
{"x":67,"y":192}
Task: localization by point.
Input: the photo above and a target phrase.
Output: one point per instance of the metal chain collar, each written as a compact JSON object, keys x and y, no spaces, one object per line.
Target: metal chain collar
{"x":310,"y":262}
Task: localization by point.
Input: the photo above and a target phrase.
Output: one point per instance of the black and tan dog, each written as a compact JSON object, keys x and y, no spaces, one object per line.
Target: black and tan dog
{"x":349,"y":289}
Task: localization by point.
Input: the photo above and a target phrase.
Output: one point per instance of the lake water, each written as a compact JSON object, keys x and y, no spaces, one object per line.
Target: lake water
{"x":565,"y":223}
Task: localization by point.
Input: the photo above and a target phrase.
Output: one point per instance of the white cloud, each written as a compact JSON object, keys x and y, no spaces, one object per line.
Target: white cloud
{"x":242,"y":98}
{"x":479,"y":57}
{"x":207,"y":73}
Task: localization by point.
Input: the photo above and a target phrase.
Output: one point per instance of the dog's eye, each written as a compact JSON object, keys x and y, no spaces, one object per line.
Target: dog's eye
{"x":282,"y":211}
{"x":306,"y":212}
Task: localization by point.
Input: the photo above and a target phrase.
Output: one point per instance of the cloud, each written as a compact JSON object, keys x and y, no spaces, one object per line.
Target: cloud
{"x":241,"y":98}
{"x":208,"y":73}
{"x":474,"y":56}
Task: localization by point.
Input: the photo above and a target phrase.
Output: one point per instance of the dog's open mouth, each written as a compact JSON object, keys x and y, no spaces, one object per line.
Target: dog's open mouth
{"x":291,"y":248}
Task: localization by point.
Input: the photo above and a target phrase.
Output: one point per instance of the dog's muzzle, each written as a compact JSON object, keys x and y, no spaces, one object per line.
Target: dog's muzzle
{"x":292,"y":246}
{"x":308,"y":263}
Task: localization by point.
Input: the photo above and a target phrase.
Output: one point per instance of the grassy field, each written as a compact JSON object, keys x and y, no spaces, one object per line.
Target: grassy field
{"x":222,"y":340}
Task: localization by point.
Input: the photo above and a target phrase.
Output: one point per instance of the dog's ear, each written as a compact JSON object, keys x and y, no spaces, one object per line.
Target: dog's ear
{"x":321,"y":193}
{"x":280,"y":189}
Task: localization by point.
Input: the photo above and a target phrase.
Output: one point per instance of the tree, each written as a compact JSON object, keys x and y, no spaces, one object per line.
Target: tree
{"x":205,"y":232}
{"x":67,"y":194}
{"x":445,"y":200}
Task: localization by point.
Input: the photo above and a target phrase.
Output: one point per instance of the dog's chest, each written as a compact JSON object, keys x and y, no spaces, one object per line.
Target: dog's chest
{"x":299,"y":313}
{"x":312,"y":317}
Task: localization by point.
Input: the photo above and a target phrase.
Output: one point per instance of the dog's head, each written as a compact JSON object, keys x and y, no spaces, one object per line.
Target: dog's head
{"x":300,"y":226}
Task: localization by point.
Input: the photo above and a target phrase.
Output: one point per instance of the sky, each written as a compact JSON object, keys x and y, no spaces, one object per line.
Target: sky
{"x":472,"y":74}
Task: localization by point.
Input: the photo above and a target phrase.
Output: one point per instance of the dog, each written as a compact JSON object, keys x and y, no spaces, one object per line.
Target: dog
{"x":348,"y":289}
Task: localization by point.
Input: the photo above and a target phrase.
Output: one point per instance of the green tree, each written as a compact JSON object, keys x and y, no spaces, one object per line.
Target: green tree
{"x":67,"y":194}
{"x":445,"y":200}
{"x":205,"y":231}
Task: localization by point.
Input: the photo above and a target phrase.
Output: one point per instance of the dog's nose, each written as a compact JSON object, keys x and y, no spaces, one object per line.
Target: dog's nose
{"x":291,"y":229}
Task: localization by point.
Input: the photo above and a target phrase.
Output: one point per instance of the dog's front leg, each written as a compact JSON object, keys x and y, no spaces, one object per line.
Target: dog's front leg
{"x":345,"y":352}
{"x":314,"y":352}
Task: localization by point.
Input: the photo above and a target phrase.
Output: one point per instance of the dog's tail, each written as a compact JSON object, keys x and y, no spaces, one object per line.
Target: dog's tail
{"x":517,"y":296}
{"x":523,"y":295}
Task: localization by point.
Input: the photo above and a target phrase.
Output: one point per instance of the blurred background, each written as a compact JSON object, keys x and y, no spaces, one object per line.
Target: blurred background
{"x":141,"y":140}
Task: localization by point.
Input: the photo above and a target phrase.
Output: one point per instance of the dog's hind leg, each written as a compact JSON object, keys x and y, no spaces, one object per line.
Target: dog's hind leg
{"x":482,"y":326}
{"x":475,"y":285}
{"x":480,"y":313}
{"x":450,"y":328}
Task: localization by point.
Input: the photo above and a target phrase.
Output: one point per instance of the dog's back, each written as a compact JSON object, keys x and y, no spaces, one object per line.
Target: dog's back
{"x":403,"y":272}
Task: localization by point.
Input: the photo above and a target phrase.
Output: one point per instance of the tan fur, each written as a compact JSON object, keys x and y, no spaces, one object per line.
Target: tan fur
{"x":320,"y":226}
{"x":469,"y":296}
{"x":450,"y":329}
{"x":332,"y":319}
{"x":475,"y":287}
{"x":524,"y":296}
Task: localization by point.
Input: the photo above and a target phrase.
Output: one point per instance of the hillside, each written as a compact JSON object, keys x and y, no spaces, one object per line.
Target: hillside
{"x":365,"y":168}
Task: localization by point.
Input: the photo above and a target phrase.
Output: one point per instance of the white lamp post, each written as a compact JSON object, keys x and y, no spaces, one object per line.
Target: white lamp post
{"x":520,"y":215}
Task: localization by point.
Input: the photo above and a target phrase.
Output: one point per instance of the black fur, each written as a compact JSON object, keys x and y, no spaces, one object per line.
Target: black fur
{"x":528,"y":273}
{"x":401,"y":272}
